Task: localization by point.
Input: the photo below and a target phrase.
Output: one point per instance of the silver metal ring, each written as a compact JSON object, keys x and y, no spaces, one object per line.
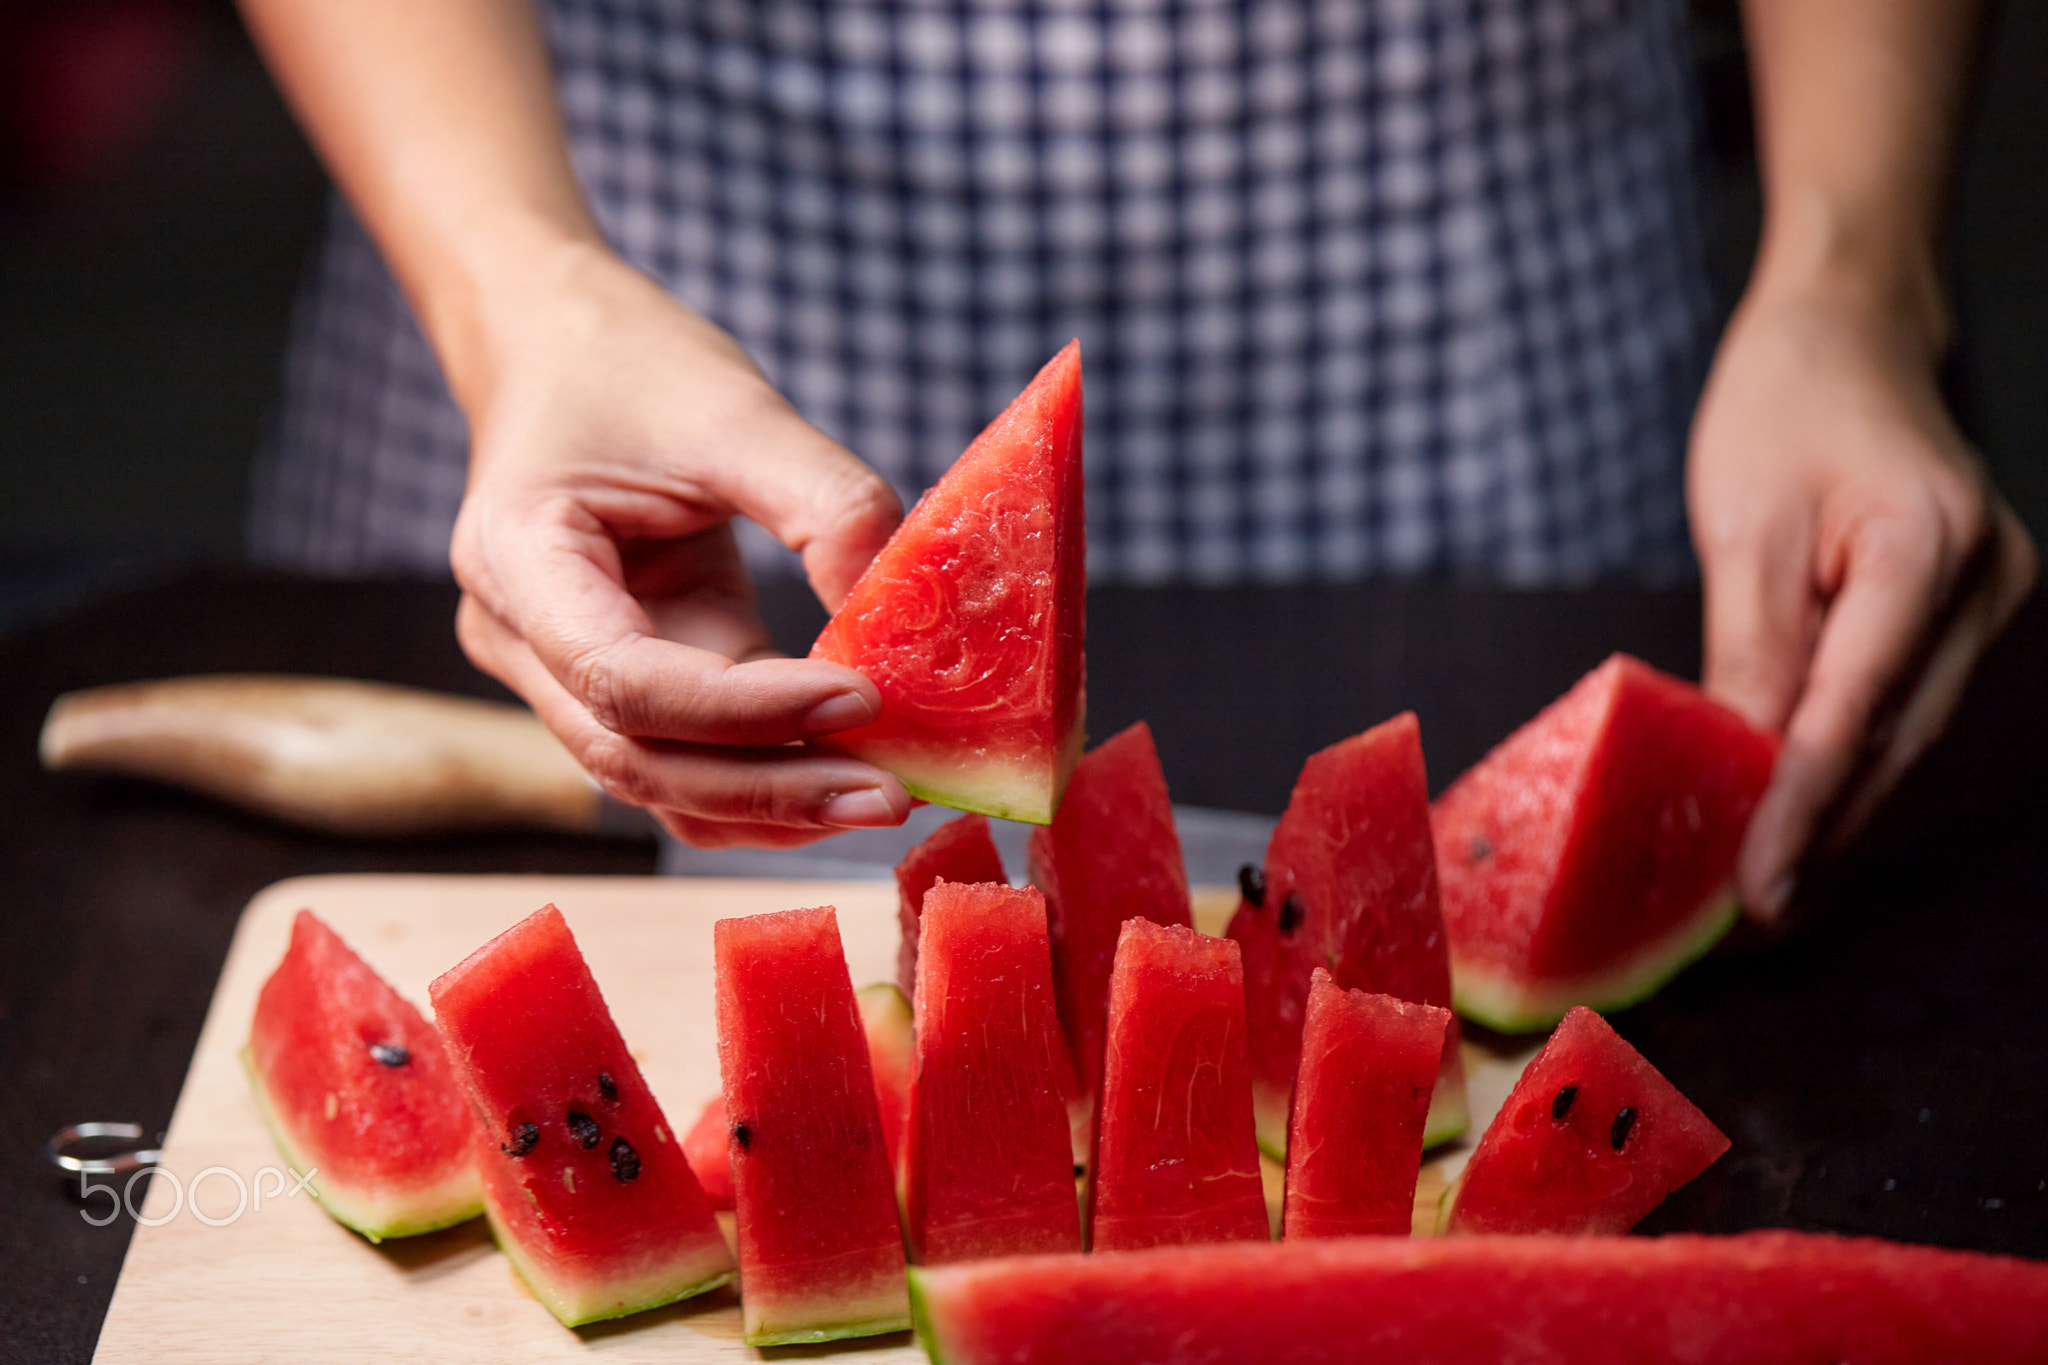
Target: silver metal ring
{"x":56,"y":1150}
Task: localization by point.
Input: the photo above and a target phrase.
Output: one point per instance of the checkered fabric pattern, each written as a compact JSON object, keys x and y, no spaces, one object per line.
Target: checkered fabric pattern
{"x":1362,"y":286}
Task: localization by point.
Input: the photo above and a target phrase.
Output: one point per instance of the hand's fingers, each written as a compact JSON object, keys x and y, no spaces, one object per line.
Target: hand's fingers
{"x":1761,"y":619}
{"x":788,"y":786}
{"x":816,"y":497}
{"x":1892,"y":586}
{"x":563,"y":594}
{"x":2002,"y":581}
{"x":714,"y":834}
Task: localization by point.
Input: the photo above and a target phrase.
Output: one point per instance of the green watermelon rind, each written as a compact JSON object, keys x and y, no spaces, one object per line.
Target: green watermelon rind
{"x":992,"y":789}
{"x":574,"y":1311}
{"x":454,"y":1200}
{"x":921,"y":1319}
{"x":1490,"y":998}
{"x":858,"y":1327}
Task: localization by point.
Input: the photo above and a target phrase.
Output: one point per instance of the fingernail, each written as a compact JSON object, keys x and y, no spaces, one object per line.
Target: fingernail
{"x":842,"y":712}
{"x":1776,"y":897}
{"x":865,"y":809}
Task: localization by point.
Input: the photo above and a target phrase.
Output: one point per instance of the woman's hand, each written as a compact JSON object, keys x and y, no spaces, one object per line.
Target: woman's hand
{"x":1857,"y":560}
{"x":614,"y":436}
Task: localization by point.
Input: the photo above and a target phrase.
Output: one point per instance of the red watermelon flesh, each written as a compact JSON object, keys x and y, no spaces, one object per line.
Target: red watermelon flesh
{"x":892,"y":1055}
{"x":959,"y":851}
{"x":1761,"y":1298}
{"x":1350,"y":885}
{"x":1354,"y":1151}
{"x":1590,"y":1140}
{"x":1111,"y":854}
{"x":1587,"y":859}
{"x":970,"y":620}
{"x":586,"y":1186}
{"x":885,"y":1017}
{"x":989,"y":1158}
{"x":705,"y":1149}
{"x":355,"y":1086}
{"x":1176,"y":1160}
{"x":821,"y":1254}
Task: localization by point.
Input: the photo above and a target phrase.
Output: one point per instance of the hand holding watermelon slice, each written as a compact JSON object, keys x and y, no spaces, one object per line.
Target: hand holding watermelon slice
{"x":616,"y":435}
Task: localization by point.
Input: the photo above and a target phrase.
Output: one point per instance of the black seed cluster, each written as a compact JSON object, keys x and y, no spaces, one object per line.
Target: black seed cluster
{"x":584,"y":1128}
{"x":1252,"y":883}
{"x":524,"y":1137}
{"x":743,"y":1135}
{"x":625,"y":1161}
{"x":1562,"y":1105}
{"x":391,"y":1054}
{"x":1291,"y":913}
{"x":1623,"y":1121}
{"x":607,"y":1087}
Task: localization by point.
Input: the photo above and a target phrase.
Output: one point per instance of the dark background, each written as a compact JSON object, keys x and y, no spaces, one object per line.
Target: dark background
{"x":146,"y":281}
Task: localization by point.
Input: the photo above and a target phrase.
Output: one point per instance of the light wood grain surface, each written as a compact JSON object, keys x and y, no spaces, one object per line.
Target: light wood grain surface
{"x":283,"y":1282}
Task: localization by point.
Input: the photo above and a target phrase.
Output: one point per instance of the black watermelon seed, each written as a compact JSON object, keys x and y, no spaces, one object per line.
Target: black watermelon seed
{"x":743,"y":1135}
{"x":1482,"y":848}
{"x":1562,"y":1105}
{"x":1623,"y":1121}
{"x":524,"y":1136}
{"x":625,"y":1162}
{"x":585,"y":1128}
{"x":1252,"y":883}
{"x":1079,"y":1170}
{"x":607,"y":1087}
{"x":1291,"y":913}
{"x":391,"y":1054}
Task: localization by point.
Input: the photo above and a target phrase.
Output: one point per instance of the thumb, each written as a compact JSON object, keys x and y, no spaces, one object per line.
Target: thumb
{"x":815,"y":496}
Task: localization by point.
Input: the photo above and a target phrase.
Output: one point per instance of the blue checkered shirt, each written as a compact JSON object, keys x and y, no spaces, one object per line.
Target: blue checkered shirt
{"x":1363,"y":286}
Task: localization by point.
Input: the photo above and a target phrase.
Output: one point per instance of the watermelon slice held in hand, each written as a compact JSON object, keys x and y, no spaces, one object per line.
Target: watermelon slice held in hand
{"x":1587,"y":858}
{"x":1590,"y":1140}
{"x":970,"y":620}
{"x":356,"y":1088}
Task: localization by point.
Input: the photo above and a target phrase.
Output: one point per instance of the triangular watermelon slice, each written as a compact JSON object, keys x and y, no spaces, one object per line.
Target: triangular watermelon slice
{"x":960,"y":850}
{"x":1354,"y":1150}
{"x":1590,"y":1140}
{"x":1111,"y":854}
{"x":970,"y":620}
{"x":1587,"y":858}
{"x":1350,"y":886}
{"x":357,"y":1089}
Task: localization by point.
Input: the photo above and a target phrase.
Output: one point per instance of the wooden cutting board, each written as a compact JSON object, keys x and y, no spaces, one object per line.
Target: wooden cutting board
{"x":283,"y":1282}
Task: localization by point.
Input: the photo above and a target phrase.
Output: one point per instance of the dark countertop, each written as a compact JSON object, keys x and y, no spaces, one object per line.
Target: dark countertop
{"x":1884,"y":1070}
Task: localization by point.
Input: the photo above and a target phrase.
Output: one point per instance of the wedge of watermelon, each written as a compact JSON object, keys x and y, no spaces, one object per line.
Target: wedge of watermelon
{"x":356,"y":1089}
{"x":1176,"y":1160}
{"x":821,"y":1255}
{"x":989,"y":1158}
{"x":970,"y":620}
{"x":885,"y":1018}
{"x":1586,"y":860}
{"x":959,"y":851}
{"x":1354,"y":1151}
{"x":1590,"y":1140}
{"x":1762,"y":1298}
{"x":587,"y":1190}
{"x":1111,"y":854}
{"x":1350,"y":885}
